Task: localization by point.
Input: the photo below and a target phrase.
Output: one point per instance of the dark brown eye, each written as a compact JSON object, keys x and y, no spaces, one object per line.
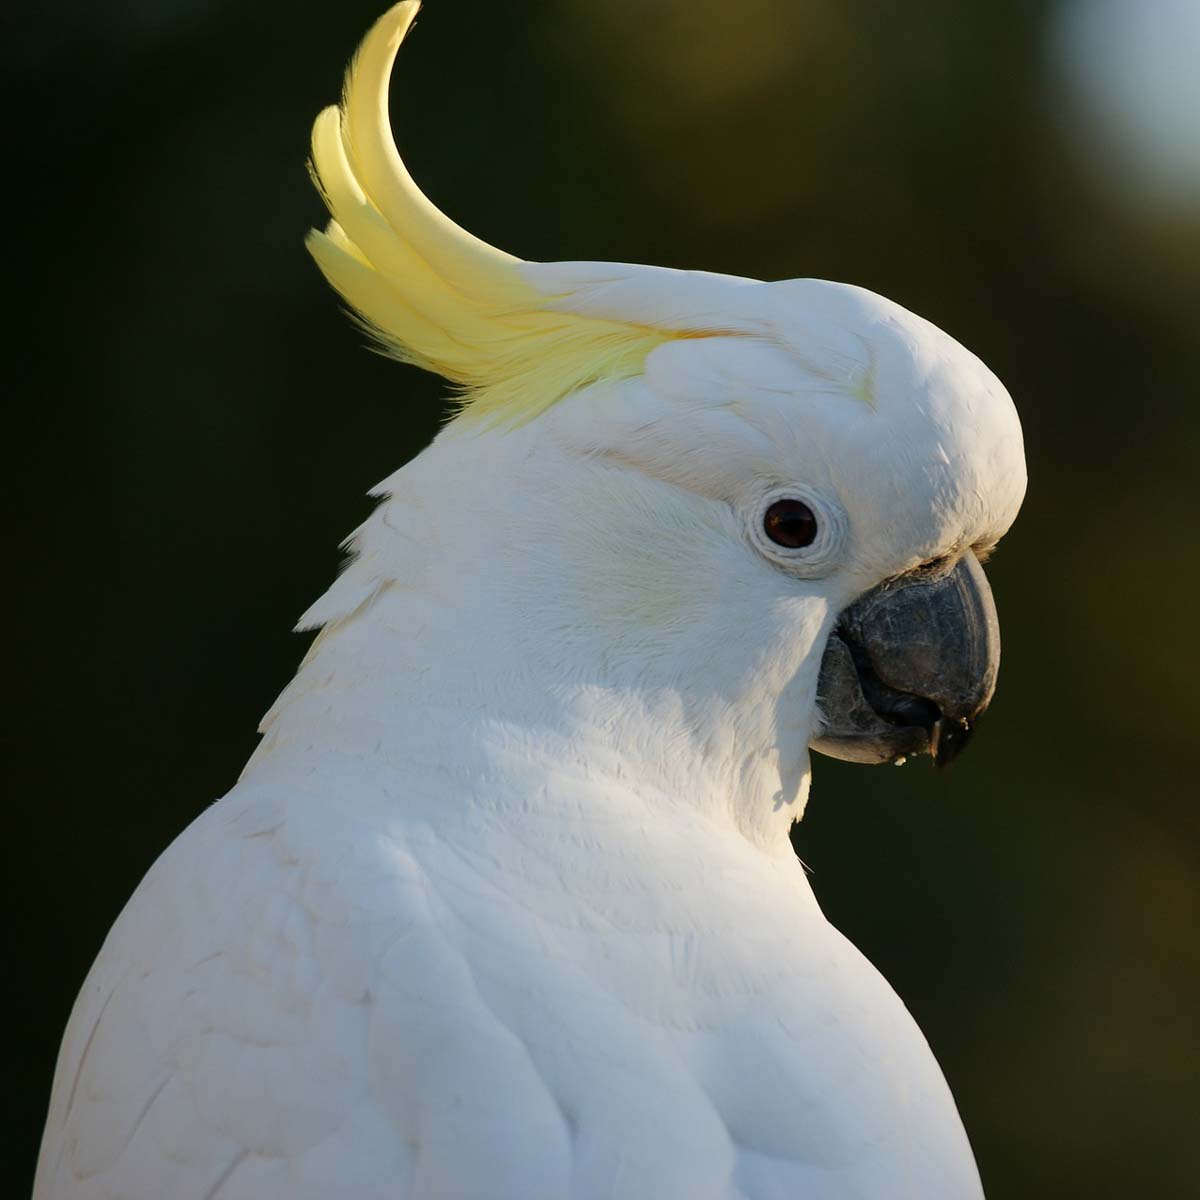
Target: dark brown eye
{"x":790,"y":523}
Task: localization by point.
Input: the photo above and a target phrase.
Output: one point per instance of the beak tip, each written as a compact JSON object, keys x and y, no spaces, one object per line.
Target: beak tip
{"x":948,"y":739}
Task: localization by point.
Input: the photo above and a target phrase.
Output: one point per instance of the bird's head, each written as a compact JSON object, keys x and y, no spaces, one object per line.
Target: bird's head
{"x":837,"y":458}
{"x":769,"y":501}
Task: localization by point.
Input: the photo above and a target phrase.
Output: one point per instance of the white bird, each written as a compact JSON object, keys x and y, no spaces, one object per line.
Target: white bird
{"x":504,"y":904}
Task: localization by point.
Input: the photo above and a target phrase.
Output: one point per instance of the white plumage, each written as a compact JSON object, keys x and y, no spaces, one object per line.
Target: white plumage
{"x":504,"y":904}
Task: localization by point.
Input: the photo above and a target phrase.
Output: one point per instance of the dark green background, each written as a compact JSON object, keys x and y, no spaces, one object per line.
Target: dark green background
{"x":195,"y":427}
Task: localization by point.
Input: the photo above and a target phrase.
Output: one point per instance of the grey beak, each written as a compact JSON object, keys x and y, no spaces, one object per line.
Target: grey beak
{"x":910,"y":667}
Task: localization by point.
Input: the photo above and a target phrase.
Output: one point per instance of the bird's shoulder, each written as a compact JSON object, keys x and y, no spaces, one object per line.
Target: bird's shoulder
{"x":226,"y":1023}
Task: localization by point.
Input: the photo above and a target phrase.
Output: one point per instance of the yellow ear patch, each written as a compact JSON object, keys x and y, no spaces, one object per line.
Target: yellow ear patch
{"x":429,"y":292}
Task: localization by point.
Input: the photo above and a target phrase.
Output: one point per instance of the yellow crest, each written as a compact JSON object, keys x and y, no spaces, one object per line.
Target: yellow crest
{"x":428,"y":291}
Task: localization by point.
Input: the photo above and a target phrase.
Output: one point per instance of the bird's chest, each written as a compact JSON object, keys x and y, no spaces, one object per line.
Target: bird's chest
{"x":719,"y":1006}
{"x":647,"y":1018}
{"x":689,"y":1054}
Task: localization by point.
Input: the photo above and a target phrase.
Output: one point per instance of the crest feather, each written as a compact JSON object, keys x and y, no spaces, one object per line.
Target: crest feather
{"x":429,"y":292}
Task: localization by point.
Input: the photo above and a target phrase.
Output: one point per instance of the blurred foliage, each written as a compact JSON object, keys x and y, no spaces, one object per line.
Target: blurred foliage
{"x":195,"y":428}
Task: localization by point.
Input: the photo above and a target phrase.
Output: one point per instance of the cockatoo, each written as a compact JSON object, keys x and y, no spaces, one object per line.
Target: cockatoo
{"x":503,"y":905}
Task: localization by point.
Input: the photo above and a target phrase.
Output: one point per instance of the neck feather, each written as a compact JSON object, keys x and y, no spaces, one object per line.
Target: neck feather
{"x":455,"y":655}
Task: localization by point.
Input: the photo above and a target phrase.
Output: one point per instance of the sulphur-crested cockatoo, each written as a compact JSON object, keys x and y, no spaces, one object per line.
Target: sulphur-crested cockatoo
{"x":504,"y":905}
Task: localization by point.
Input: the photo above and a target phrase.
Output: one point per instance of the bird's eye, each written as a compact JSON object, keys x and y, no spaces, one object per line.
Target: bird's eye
{"x":791,"y":524}
{"x":801,"y":529}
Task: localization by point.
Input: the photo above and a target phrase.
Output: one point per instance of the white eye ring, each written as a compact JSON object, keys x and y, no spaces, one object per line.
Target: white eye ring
{"x":823,"y":553}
